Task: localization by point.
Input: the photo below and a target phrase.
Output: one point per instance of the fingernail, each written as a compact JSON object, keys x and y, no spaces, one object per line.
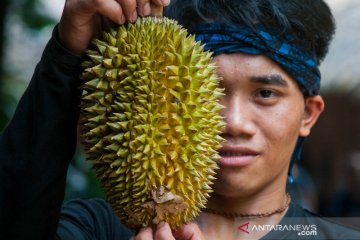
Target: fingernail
{"x":122,"y":19}
{"x":160,"y":225}
{"x":165,"y":2}
{"x":147,"y":9}
{"x":133,"y":16}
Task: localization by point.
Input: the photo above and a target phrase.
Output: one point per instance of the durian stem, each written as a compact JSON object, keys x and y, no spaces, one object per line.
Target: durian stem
{"x":156,"y":10}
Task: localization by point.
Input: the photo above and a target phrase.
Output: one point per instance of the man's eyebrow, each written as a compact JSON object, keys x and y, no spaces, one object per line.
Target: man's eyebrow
{"x":273,"y":79}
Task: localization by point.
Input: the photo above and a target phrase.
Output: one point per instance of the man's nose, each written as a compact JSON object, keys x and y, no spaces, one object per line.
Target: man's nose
{"x":238,"y":117}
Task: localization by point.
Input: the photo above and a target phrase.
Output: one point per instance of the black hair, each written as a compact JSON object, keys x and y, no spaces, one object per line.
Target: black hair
{"x":310,"y":22}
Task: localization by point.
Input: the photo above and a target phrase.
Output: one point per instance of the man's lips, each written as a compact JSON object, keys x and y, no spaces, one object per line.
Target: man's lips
{"x":237,"y":156}
{"x":238,"y":150}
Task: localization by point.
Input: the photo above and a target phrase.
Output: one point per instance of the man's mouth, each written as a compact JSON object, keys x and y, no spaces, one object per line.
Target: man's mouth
{"x":237,"y":151}
{"x":228,"y":154}
{"x":236,"y":156}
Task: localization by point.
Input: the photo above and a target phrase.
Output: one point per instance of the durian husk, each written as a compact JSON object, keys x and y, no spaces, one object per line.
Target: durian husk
{"x":151,"y":123}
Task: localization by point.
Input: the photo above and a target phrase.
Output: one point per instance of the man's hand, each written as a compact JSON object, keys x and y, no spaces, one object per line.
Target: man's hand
{"x":84,"y":19}
{"x":163,"y":232}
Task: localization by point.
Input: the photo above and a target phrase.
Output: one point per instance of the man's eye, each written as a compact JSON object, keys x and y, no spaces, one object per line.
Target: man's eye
{"x":266,"y":93}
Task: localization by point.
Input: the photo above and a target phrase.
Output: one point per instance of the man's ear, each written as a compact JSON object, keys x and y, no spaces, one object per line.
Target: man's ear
{"x":314,"y":106}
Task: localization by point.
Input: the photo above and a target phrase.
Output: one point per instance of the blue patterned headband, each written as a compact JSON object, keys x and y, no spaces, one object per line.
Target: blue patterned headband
{"x":300,"y":64}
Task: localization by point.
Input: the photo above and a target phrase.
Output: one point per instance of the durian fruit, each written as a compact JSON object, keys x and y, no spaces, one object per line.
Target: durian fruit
{"x":151,"y":123}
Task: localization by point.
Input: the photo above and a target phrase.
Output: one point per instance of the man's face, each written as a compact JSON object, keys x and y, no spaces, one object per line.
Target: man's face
{"x":265,"y":112}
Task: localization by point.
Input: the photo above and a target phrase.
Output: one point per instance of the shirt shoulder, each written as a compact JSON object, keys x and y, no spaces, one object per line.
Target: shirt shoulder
{"x":90,"y":219}
{"x":299,"y":223}
{"x":331,"y":228}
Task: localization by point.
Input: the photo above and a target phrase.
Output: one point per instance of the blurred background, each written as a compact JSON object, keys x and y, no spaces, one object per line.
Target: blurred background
{"x":328,"y":176}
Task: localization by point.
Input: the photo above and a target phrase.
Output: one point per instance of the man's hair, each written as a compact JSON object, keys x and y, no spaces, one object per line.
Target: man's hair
{"x":310,"y":22}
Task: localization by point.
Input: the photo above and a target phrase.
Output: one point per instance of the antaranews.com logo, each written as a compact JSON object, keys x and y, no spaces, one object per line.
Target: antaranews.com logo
{"x":300,"y":229}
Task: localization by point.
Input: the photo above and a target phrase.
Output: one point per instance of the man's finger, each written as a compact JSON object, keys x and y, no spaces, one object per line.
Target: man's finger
{"x":161,"y":2}
{"x":163,"y":232}
{"x":190,"y":231}
{"x":143,"y":7}
{"x":129,"y":9}
{"x":144,"y":234}
{"x":112,"y":10}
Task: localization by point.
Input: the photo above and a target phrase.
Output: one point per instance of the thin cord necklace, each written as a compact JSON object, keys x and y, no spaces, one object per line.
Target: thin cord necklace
{"x":254,"y":215}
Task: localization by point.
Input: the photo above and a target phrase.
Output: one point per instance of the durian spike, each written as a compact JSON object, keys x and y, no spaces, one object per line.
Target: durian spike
{"x":156,"y":10}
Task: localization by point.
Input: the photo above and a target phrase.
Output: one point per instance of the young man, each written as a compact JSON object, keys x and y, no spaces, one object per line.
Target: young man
{"x":267,"y":54}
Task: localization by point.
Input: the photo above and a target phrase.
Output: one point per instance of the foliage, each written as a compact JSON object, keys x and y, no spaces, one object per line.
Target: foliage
{"x":32,"y":15}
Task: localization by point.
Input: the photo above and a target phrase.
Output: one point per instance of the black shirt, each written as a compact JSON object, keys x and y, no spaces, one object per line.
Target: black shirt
{"x":90,"y":219}
{"x":37,"y":146}
{"x":299,"y":223}
{"x":95,"y":219}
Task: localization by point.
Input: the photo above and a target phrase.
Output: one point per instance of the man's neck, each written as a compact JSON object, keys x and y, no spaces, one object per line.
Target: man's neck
{"x":259,"y":202}
{"x":216,"y":226}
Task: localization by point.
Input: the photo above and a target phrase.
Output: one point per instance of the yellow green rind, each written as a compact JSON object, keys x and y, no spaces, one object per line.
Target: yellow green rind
{"x":150,"y":117}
